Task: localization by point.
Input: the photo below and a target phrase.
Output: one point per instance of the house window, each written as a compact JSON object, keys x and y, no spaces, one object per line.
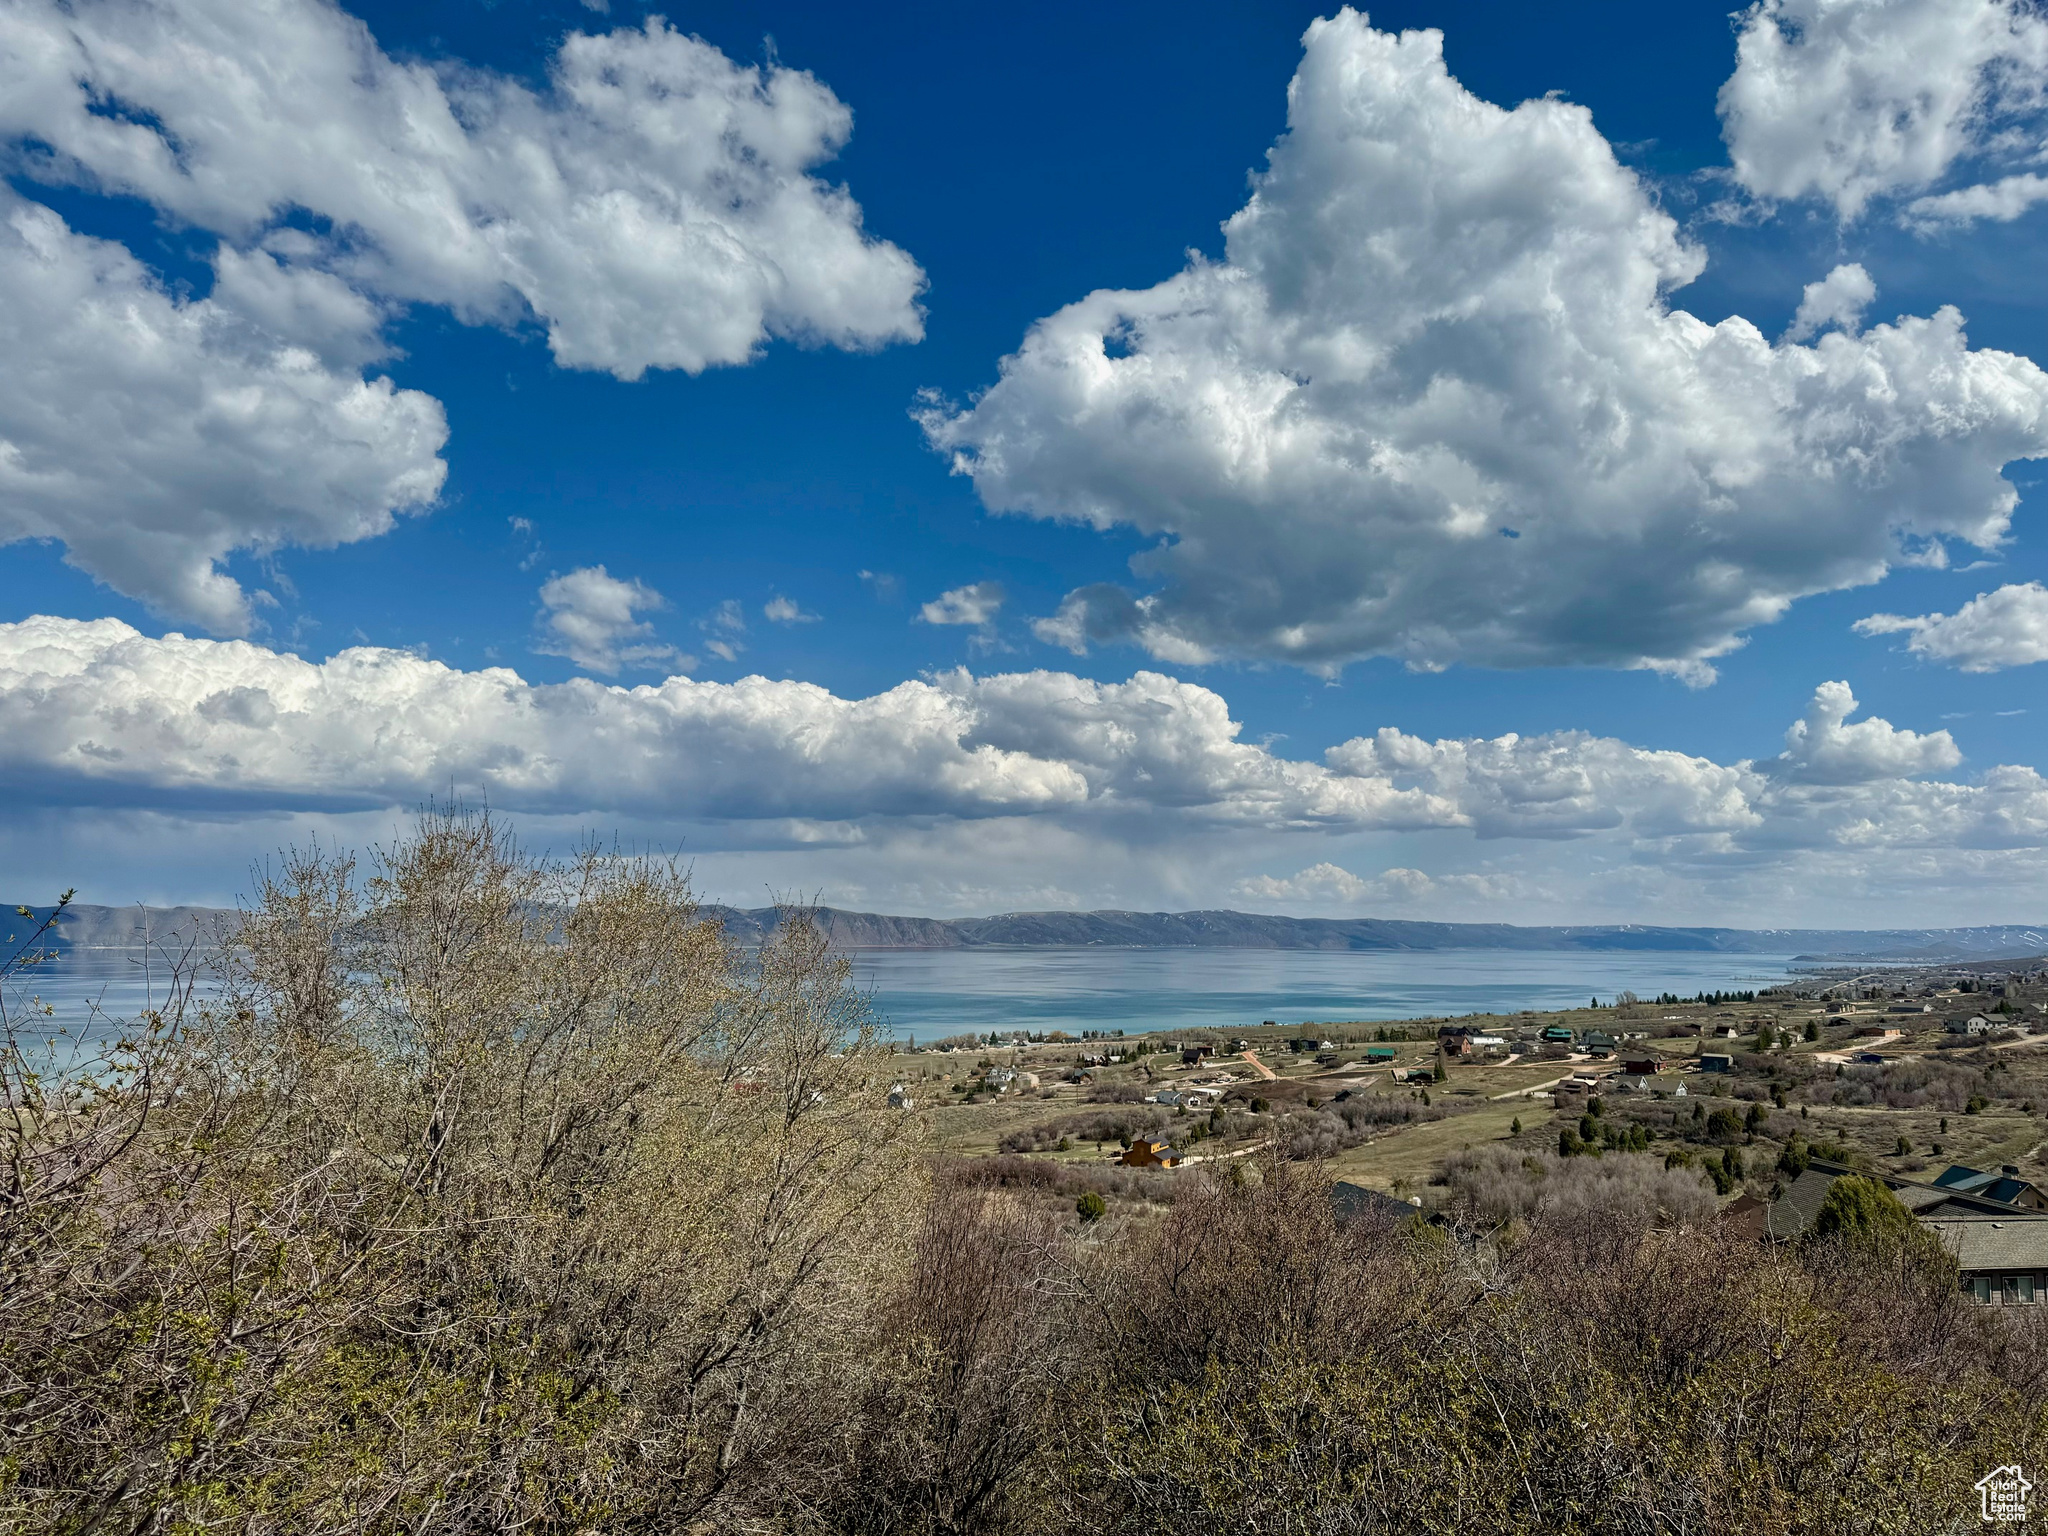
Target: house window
{"x":2019,"y":1290}
{"x":1980,"y":1289}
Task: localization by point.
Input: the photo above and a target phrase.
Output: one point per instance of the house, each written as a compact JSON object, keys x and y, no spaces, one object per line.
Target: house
{"x":899,"y":1098}
{"x":1630,"y":1082}
{"x":1727,"y":1032}
{"x":1878,"y":1033}
{"x":1717,"y":1063}
{"x":1379,"y":1053}
{"x":1454,"y":1040}
{"x":1975,"y":1024}
{"x":1557,"y":1034}
{"x":1195,"y":1053}
{"x":1642,"y":1066}
{"x":2003,"y":1263}
{"x":1151,"y":1152}
{"x":1911,"y":1008}
{"x":1793,"y":1211}
{"x":2006,"y":1185}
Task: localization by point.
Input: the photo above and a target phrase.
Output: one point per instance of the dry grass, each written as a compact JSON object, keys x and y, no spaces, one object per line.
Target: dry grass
{"x":1409,"y":1155}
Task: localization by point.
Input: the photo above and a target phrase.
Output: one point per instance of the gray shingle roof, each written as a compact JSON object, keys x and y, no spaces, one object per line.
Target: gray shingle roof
{"x":1983,"y":1243}
{"x":1353,"y":1200}
{"x":1794,"y":1210}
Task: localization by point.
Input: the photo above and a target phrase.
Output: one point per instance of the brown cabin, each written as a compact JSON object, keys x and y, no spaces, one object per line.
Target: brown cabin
{"x":1152,"y":1152}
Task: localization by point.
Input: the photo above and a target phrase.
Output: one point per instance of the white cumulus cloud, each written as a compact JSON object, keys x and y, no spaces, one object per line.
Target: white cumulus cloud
{"x":653,"y":205}
{"x":1081,"y":775}
{"x":2006,"y":628}
{"x":1838,"y":299}
{"x":1434,"y":404}
{"x":155,"y":435}
{"x":1824,"y":749}
{"x":591,"y":617}
{"x":786,"y":610}
{"x":974,"y":604}
{"x":96,"y":702}
{"x":1855,"y":100}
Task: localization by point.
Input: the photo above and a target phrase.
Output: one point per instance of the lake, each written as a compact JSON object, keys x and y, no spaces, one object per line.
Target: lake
{"x":932,"y":993}
{"x":927,"y":994}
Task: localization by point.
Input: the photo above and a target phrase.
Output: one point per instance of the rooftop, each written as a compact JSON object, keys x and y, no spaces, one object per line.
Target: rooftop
{"x":1985,"y":1243}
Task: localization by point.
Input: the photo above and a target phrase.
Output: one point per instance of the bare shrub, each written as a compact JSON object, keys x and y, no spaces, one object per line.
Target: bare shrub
{"x":1494,"y":1186}
{"x":490,"y":1192}
{"x":1121,"y":1124}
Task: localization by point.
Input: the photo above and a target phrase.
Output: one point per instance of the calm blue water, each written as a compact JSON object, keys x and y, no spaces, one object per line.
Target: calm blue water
{"x":931,"y":993}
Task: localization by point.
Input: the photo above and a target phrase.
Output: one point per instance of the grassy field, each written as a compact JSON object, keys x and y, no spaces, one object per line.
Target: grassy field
{"x":1403,"y":1160}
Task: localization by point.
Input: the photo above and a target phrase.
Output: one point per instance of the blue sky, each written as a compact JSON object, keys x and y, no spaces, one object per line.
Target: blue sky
{"x":790,"y":511}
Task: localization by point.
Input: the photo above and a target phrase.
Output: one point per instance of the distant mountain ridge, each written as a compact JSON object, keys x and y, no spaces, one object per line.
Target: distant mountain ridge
{"x":96,"y":927}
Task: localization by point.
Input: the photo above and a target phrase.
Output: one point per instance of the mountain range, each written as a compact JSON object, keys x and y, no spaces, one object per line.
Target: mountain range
{"x":98,"y":927}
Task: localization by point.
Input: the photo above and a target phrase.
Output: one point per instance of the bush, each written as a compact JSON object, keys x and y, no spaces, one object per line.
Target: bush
{"x":1091,"y":1207}
{"x":1726,"y":1173}
{"x":1864,"y":1216}
{"x":1724,"y":1125}
{"x":1494,"y":1185}
{"x":478,"y":1168}
{"x":1123,"y":1125}
{"x":1116,"y":1093}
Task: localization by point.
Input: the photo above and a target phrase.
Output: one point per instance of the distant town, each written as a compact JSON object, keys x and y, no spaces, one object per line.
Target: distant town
{"x":1933,"y":1079}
